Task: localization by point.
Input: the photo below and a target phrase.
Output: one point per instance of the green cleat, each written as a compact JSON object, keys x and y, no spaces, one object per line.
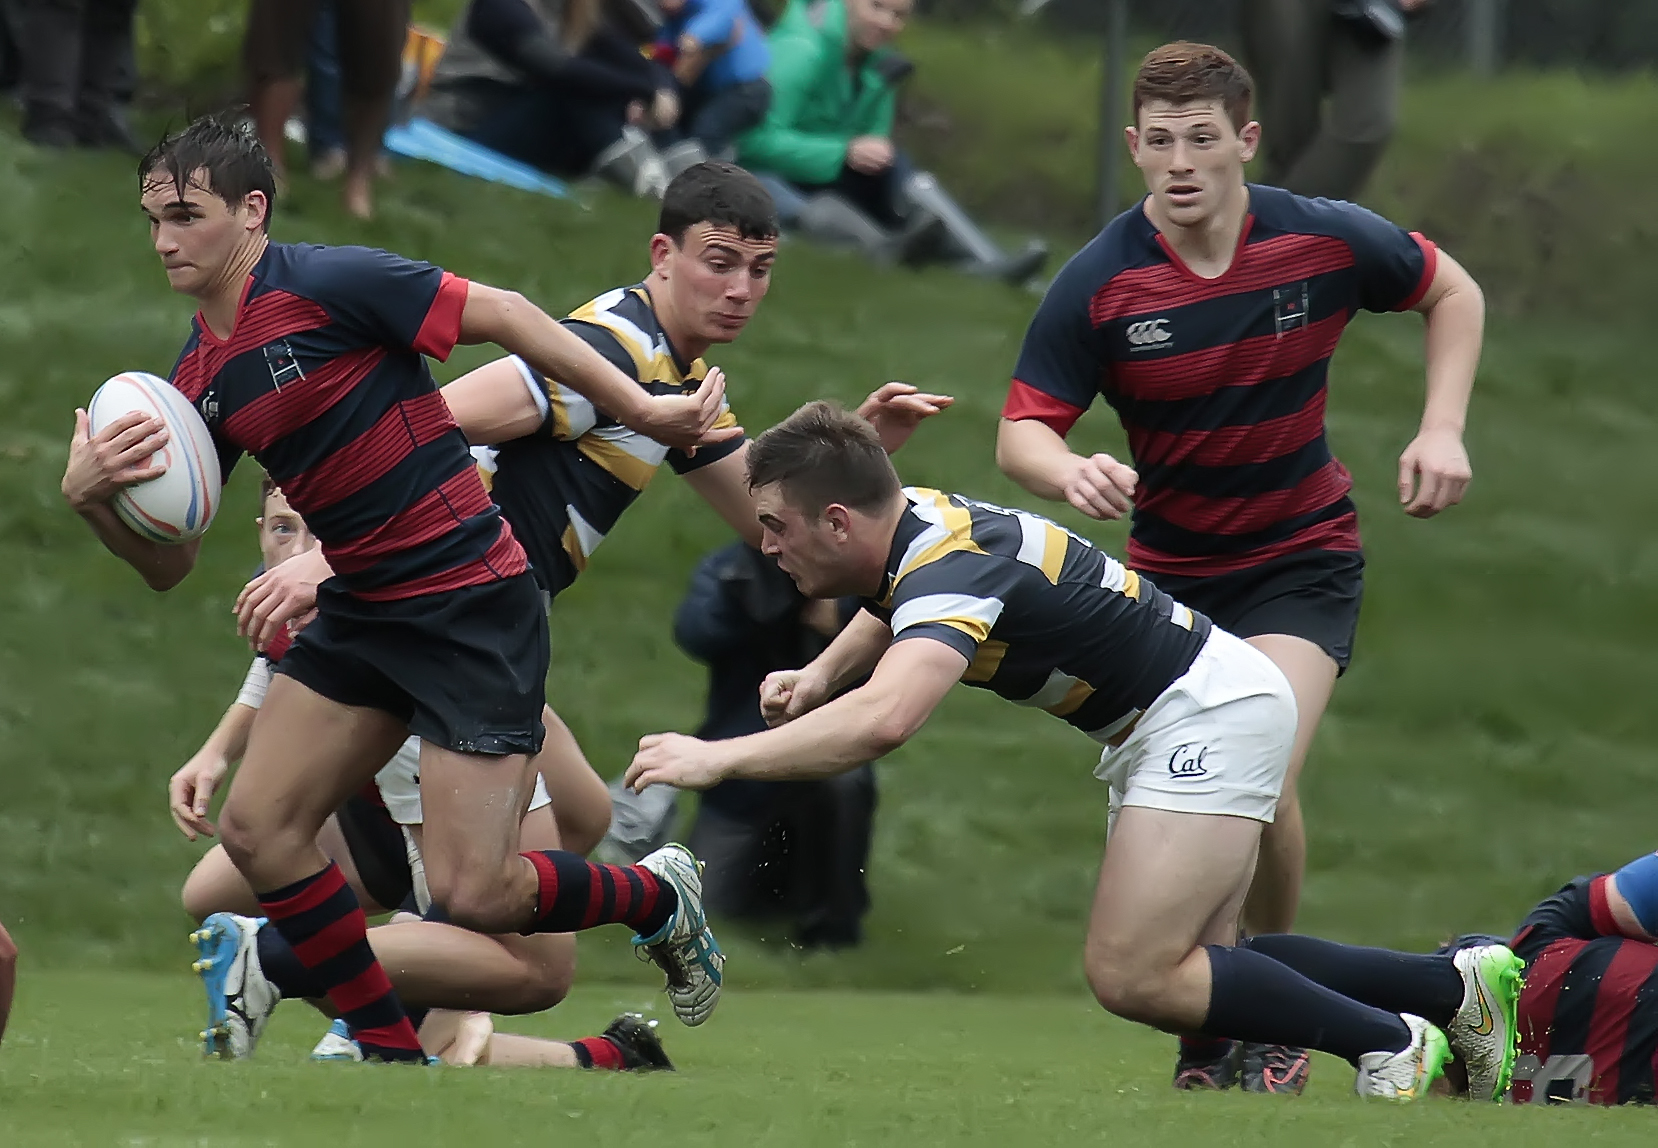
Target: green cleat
{"x":1485,"y":1031}
{"x":1410,"y":1072}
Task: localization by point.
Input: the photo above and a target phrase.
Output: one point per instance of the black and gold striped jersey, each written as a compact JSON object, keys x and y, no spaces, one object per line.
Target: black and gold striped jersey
{"x":564,"y":487}
{"x":1045,"y":618}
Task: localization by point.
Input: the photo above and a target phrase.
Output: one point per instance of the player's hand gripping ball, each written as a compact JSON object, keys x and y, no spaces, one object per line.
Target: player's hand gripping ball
{"x":171,"y":495}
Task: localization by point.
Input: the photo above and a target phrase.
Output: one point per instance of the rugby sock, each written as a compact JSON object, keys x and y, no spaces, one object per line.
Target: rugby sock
{"x":325,"y":928}
{"x":1425,"y":985}
{"x":276,"y":958}
{"x":1255,"y":998}
{"x":598,"y":1052}
{"x":578,"y":894}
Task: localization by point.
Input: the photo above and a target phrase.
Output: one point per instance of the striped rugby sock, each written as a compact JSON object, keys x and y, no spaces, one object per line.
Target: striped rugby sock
{"x":325,"y":928}
{"x":598,"y":1052}
{"x":579,"y":894}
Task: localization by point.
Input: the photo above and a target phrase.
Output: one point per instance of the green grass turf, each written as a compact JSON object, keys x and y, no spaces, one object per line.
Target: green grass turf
{"x":109,"y":1059}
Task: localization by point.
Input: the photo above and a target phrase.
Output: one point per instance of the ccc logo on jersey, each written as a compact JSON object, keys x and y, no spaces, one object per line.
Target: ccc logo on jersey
{"x":1148,"y":334}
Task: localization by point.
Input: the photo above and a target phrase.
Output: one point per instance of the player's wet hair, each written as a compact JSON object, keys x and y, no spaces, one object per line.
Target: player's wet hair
{"x":720,"y":193}
{"x":225,"y":146}
{"x":822,"y":455}
{"x":267,"y":487}
{"x":1188,"y":73}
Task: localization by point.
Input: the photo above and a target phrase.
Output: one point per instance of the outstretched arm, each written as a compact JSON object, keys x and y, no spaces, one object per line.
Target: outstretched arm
{"x":519,"y":327}
{"x":103,"y":465}
{"x":1434,"y":471}
{"x":857,"y":727}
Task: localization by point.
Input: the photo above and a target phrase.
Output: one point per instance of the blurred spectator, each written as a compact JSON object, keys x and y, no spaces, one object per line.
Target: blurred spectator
{"x":794,"y":849}
{"x":773,"y":848}
{"x":74,"y":71}
{"x":324,"y":114}
{"x":370,"y":46}
{"x":557,"y":84}
{"x":8,"y":49}
{"x":825,"y":150}
{"x":719,"y":58}
{"x":1327,"y":73}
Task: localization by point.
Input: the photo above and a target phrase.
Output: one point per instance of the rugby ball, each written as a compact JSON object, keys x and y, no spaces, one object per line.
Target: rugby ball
{"x":178,"y":505}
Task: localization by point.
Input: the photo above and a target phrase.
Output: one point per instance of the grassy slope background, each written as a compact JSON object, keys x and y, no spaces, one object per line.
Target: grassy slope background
{"x":1492,"y":740}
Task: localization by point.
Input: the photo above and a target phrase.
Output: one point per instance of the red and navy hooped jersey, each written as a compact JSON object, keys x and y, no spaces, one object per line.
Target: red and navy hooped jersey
{"x":323,"y":381}
{"x":1220,"y":383}
{"x":1588,"y":1014}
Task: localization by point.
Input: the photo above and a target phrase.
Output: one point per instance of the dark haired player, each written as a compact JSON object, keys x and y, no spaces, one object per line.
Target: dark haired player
{"x":566,"y":468}
{"x":1196,"y":725}
{"x":311,"y":360}
{"x":1206,"y":316}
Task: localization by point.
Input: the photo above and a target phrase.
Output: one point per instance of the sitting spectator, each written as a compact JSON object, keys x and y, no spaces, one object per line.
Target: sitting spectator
{"x":719,"y":58}
{"x":795,"y":849}
{"x":557,"y":85}
{"x":370,"y":45}
{"x":73,"y":62}
{"x":324,"y":122}
{"x":826,"y":154}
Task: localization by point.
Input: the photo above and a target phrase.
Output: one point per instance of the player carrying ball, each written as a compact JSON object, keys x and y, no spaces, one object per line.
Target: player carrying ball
{"x":311,"y":360}
{"x":1197,"y":728}
{"x":1206,"y":315}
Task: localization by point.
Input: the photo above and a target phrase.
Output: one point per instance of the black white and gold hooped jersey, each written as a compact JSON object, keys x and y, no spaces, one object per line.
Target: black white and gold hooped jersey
{"x":1045,"y":618}
{"x":564,"y":487}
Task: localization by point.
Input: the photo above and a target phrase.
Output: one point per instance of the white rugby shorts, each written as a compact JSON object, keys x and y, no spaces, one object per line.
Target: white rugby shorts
{"x":1217,"y":741}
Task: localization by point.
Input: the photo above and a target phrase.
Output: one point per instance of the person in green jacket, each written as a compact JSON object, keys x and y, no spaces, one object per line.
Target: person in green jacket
{"x":825,"y":149}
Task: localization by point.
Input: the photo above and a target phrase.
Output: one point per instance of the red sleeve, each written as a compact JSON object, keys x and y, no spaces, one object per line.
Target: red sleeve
{"x":1430,"y":265}
{"x":441,"y":329}
{"x":1600,"y":911}
{"x":1026,"y":402}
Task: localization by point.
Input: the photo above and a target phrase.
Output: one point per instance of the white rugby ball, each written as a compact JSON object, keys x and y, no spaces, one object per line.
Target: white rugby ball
{"x":179,"y":504}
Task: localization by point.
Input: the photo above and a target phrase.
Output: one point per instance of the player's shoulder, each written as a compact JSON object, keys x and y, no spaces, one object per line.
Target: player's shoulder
{"x":626,"y":315}
{"x":316,"y":270}
{"x":1129,"y":241}
{"x":1284,"y":212}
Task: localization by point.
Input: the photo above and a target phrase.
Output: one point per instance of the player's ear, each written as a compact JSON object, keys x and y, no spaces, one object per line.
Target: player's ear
{"x":662,"y":246}
{"x":839,"y":519}
{"x":1249,"y":137}
{"x":258,"y":208}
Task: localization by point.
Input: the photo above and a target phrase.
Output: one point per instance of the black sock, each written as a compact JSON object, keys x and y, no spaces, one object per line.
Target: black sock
{"x":1254,"y":998}
{"x":1424,"y":985}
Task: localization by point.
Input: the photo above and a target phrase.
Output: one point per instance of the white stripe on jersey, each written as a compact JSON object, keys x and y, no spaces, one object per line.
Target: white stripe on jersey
{"x":586,"y":537}
{"x":941,"y":607}
{"x":1053,"y":690}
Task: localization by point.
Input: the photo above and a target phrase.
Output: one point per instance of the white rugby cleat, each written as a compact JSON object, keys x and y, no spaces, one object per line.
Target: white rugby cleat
{"x":685,"y":948}
{"x":337,"y":1046}
{"x":1406,"y":1074}
{"x":1484,"y":1032}
{"x":239,"y":998}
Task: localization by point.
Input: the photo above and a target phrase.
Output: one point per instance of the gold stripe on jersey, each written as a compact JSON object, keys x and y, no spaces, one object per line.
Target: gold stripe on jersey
{"x":572,"y":547}
{"x":949,"y":531}
{"x":617,"y":460}
{"x":1057,"y":542}
{"x":986,"y":661}
{"x":1080,"y":692}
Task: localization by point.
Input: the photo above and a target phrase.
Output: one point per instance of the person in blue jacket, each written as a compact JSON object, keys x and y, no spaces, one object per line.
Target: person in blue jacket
{"x":719,"y":58}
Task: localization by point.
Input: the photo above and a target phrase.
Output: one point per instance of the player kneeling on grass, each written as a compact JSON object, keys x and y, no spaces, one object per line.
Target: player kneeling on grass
{"x":1197,"y":727}
{"x":375,"y":840}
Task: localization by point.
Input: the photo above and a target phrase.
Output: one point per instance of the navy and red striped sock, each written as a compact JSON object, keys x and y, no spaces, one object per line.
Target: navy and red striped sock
{"x":325,"y":928}
{"x":579,"y":894}
{"x":598,"y":1052}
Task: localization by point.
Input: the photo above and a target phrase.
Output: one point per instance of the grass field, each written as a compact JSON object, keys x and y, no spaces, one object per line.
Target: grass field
{"x":108,"y":1060}
{"x":1493,"y":738}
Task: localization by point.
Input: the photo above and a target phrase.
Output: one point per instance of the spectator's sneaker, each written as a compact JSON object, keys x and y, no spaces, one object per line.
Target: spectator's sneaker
{"x":1406,"y":1074}
{"x":106,"y":127}
{"x":682,"y":155}
{"x":636,"y":1039}
{"x":1275,"y":1068}
{"x":239,"y":998}
{"x":1484,"y":1031}
{"x":1207,"y":1072}
{"x":336,"y":1045}
{"x":684,"y":948}
{"x":46,"y":126}
{"x":1020,"y":267}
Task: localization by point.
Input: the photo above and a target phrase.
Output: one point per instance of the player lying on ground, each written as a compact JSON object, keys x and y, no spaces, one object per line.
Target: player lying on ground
{"x":1588,"y":1016}
{"x":1207,"y":315}
{"x":311,"y":360}
{"x":1197,"y":727}
{"x":563,"y":469}
{"x":375,"y":841}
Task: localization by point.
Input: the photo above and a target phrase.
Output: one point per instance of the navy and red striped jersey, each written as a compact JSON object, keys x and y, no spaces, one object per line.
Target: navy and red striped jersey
{"x":323,"y":381}
{"x":1589,"y":1010}
{"x":1220,"y":383}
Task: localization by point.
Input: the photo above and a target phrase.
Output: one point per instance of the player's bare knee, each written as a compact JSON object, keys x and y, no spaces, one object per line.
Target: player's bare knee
{"x":482,"y":904}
